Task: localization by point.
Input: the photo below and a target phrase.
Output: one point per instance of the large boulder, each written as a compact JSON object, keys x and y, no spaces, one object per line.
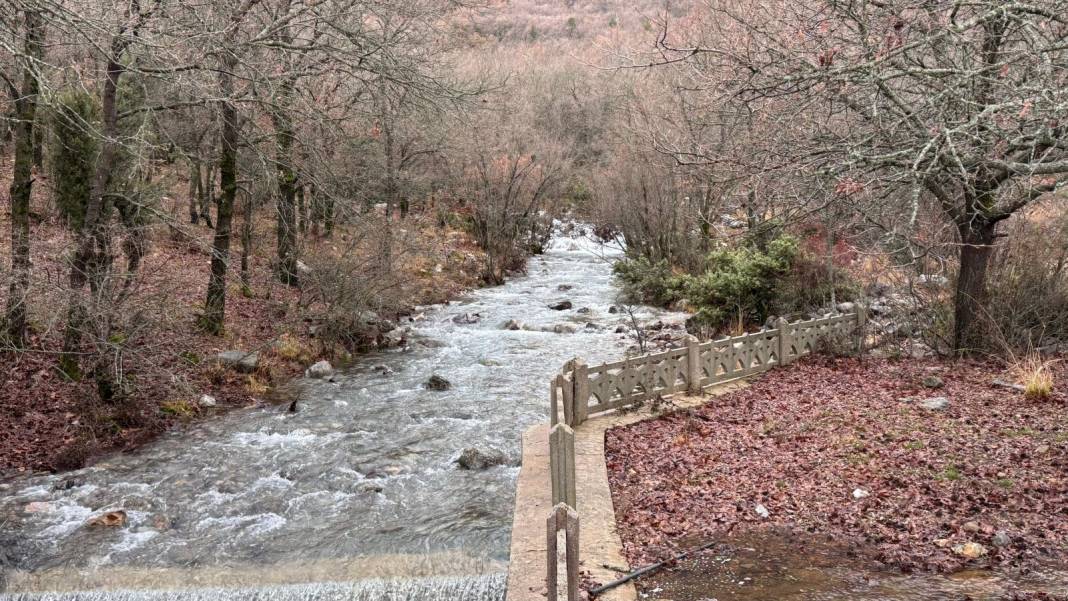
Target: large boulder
{"x":322,"y":369}
{"x":239,"y":360}
{"x":480,"y":459}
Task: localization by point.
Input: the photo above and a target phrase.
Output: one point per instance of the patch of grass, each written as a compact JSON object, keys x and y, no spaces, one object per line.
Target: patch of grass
{"x":255,"y":386}
{"x":951,"y":473}
{"x":1022,"y":432}
{"x":1005,"y":483}
{"x":178,"y":408}
{"x":189,"y":357}
{"x":1035,"y":374}
{"x":915,"y":445}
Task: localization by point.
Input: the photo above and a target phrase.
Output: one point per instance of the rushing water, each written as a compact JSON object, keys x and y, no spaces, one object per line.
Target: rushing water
{"x":361,"y":482}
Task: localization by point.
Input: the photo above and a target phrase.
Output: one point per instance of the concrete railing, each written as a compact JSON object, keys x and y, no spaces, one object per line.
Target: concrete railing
{"x":580,"y":391}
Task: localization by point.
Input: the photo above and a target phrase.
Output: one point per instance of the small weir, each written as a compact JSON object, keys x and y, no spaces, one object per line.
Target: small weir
{"x":490,"y":587}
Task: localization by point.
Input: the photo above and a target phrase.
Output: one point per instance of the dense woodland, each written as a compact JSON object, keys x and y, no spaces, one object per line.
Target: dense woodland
{"x":294,"y":175}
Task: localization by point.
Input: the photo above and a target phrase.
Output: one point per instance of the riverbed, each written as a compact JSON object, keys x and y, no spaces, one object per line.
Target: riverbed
{"x":361,"y":481}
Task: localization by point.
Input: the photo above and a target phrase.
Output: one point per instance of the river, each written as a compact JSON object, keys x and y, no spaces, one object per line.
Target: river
{"x":361,"y":482}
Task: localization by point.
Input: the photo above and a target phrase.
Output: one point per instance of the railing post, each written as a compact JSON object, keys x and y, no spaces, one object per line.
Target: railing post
{"x":580,"y":377}
{"x":784,"y":341}
{"x":567,"y":392}
{"x":554,"y":403}
{"x":562,"y":464}
{"x":693,"y":365}
{"x":862,"y":320}
{"x":566,"y":519}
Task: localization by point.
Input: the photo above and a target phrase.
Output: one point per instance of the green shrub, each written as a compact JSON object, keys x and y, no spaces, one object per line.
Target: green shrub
{"x":644,"y":281}
{"x":74,"y":151}
{"x":739,"y":287}
{"x":808,"y":285}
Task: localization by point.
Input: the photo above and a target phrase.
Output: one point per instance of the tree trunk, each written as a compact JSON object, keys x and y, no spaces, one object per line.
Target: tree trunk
{"x":977,"y":246}
{"x":207,"y":195}
{"x":93,"y":254}
{"x":214,"y":317}
{"x":286,"y":227}
{"x":22,"y":181}
{"x":196,"y":190}
{"x":246,"y":247}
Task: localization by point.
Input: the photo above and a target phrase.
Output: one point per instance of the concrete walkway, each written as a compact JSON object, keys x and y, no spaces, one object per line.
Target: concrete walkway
{"x":600,"y":545}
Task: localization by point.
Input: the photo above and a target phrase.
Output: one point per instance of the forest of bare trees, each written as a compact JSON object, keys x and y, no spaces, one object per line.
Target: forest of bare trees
{"x":188,"y":176}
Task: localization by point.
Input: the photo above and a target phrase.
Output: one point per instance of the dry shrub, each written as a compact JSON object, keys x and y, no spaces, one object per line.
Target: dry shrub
{"x":1035,"y":374}
{"x":1029,"y":283}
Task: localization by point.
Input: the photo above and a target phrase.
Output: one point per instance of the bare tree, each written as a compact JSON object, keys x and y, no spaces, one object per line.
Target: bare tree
{"x":29,"y":61}
{"x":958,"y":107}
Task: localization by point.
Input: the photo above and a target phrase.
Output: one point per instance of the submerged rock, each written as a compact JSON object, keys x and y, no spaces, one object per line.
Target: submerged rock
{"x":480,"y":459}
{"x":561,"y":306}
{"x":111,"y":519}
{"x":513,"y":324}
{"x":467,"y":318}
{"x":322,"y":369}
{"x":439,"y":383}
{"x":564,"y":287}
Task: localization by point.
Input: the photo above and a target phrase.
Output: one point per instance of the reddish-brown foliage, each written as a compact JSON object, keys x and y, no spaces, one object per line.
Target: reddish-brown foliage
{"x":802,"y":439}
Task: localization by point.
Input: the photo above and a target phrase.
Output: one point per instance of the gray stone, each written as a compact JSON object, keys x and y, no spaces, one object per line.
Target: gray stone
{"x":513,"y":324}
{"x":303,"y":269}
{"x":439,"y":383}
{"x":846,"y":307}
{"x":1001,"y":539}
{"x":321,"y":369}
{"x":479,"y":459}
{"x":933,"y":382}
{"x":934,"y":281}
{"x":564,"y":328}
{"x":206,"y":400}
{"x":239,"y":360}
{"x":561,"y":306}
{"x":937,"y":403}
{"x":583,"y":310}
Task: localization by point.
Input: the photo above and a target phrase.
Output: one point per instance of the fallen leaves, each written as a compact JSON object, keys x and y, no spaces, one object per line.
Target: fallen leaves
{"x":937,"y":486}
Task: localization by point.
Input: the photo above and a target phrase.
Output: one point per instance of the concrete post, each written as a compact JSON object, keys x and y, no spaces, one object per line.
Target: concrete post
{"x":562,"y":464}
{"x":566,"y":519}
{"x":784,"y":341}
{"x":580,"y":375}
{"x":693,"y":365}
{"x":862,"y":321}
